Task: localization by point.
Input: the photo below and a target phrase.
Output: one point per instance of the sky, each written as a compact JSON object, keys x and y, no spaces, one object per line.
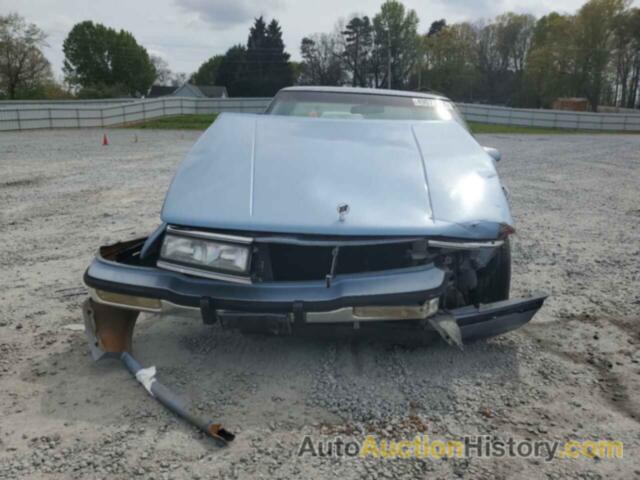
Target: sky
{"x":187,"y":32}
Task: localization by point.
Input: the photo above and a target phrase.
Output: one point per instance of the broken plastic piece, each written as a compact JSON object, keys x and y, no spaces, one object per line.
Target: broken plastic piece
{"x":445,"y":324}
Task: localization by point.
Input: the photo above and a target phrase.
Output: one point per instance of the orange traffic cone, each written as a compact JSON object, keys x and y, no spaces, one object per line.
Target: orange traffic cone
{"x":105,"y":140}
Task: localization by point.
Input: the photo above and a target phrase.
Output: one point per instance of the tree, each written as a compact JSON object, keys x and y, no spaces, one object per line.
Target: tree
{"x":280,"y":73}
{"x":513,"y":33}
{"x":101,"y":58}
{"x":164,"y":74}
{"x":256,"y":56}
{"x":492,"y":65}
{"x":594,"y":31}
{"x":396,"y":43}
{"x":358,"y":41}
{"x":260,"y":69}
{"x":88,"y":51}
{"x":208,"y":71}
{"x":513,"y":39}
{"x":551,"y":61}
{"x":451,"y":60}
{"x":297,"y":71}
{"x":178,"y":79}
{"x":232,"y":72}
{"x":623,"y":51}
{"x":321,"y":60}
{"x":23,"y":66}
{"x":633,"y":26}
{"x":436,"y":27}
{"x":512,"y":60}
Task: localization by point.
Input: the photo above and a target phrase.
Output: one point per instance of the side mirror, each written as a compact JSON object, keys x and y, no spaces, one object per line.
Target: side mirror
{"x":493,"y":152}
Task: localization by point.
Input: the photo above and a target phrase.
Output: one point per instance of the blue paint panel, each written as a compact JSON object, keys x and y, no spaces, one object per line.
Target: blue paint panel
{"x":288,"y":175}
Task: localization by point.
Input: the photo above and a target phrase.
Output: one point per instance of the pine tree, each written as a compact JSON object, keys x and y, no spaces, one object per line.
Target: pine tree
{"x":358,"y":36}
{"x":280,"y":71}
{"x":260,"y":69}
{"x":267,"y":66}
{"x":255,"y":70}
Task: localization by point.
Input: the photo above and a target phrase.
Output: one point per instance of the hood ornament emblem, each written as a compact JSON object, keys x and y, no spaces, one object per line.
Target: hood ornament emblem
{"x":343,"y":209}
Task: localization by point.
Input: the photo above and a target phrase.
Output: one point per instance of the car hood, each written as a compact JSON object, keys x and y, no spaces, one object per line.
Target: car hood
{"x":282,"y":174}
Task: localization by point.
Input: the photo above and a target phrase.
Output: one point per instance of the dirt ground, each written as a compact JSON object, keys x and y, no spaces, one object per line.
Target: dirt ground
{"x":573,"y":373}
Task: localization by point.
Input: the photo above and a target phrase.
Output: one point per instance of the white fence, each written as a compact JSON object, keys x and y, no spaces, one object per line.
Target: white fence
{"x":550,"y":118}
{"x":71,"y":116}
{"x":66,"y":114}
{"x":99,"y":102}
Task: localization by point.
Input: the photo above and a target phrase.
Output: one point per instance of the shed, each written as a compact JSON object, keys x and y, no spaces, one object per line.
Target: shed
{"x":200,"y":91}
{"x":574,"y":104}
{"x":161,"y":91}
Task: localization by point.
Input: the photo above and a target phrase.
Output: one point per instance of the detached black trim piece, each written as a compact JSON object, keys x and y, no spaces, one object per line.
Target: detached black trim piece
{"x":493,"y":319}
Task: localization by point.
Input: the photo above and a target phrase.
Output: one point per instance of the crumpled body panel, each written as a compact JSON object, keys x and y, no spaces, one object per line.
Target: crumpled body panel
{"x":289,"y":175}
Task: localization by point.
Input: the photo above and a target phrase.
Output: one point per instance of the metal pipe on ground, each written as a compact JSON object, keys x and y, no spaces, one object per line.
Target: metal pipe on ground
{"x":146,"y":376}
{"x":109,"y":331}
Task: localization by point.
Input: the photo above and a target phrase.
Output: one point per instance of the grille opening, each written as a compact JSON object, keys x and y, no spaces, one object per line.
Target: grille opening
{"x":299,"y":263}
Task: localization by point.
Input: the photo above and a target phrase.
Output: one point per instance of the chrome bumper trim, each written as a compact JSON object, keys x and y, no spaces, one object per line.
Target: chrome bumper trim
{"x":465,"y":245}
{"x":386,"y":313}
{"x":166,"y":307}
{"x":341,"y":315}
{"x":209,"y":235}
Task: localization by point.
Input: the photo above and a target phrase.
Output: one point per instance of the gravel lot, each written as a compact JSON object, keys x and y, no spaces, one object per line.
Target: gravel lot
{"x":571,"y":374}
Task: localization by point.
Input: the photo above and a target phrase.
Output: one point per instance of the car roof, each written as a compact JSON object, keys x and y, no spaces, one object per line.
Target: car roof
{"x":366,"y":91}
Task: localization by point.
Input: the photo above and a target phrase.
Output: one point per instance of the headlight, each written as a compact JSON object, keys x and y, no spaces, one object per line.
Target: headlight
{"x":207,"y":254}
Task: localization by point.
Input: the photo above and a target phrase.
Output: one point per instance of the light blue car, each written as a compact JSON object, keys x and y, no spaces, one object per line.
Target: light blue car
{"x":343,"y":206}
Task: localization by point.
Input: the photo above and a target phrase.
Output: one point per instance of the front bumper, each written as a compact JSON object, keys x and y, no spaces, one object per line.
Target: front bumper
{"x":404,"y":294}
{"x":411,"y":286}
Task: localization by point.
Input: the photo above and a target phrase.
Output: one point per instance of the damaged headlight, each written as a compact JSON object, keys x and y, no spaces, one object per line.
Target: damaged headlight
{"x":206,"y":254}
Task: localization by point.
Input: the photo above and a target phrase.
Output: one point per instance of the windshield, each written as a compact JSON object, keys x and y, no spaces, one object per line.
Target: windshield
{"x":354,"y":106}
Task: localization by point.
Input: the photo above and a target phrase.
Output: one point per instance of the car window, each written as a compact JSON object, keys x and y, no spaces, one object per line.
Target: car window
{"x":354,"y":106}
